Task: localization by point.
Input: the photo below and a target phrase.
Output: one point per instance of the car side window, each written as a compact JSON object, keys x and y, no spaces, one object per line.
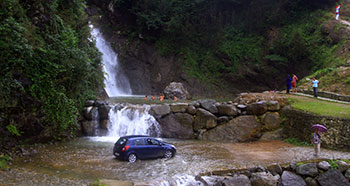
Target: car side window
{"x":152,"y":142}
{"x":139,"y":142}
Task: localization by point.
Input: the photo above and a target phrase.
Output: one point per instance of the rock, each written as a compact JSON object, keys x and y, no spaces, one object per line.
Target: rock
{"x":331,"y":178}
{"x":257,"y":108}
{"x":271,"y":120}
{"x":275,"y":169}
{"x":272,"y":135}
{"x":89,"y":127}
{"x":204,"y":119}
{"x":89,"y":103}
{"x":310,"y":182}
{"x":324,"y":165}
{"x":239,"y":129}
{"x":176,"y":89}
{"x":227,"y":110}
{"x":290,"y":179}
{"x":178,"y":107}
{"x":223,"y":119}
{"x":273,"y":106}
{"x":209,"y":105}
{"x":309,"y":169}
{"x":25,"y":152}
{"x":263,"y":179}
{"x":342,"y":166}
{"x":159,"y":111}
{"x":347,"y":174}
{"x":87,"y":113}
{"x":178,"y":125}
{"x":191,"y":110}
{"x":103,"y":124}
{"x":103,"y":111}
{"x":237,"y":180}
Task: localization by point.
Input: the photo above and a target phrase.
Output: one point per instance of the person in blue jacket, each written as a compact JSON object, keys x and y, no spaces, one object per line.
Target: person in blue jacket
{"x":289,"y":83}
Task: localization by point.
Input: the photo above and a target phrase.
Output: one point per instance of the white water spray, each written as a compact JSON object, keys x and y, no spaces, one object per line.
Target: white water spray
{"x":116,"y":82}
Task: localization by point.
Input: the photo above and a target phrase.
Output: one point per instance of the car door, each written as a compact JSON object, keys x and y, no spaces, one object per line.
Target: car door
{"x":155,"y":149}
{"x":140,"y":148}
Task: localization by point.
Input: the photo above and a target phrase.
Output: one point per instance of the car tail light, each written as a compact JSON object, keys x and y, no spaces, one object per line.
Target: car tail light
{"x":125,"y":148}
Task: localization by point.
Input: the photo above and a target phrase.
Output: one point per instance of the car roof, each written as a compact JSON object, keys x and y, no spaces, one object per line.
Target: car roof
{"x":134,"y":136}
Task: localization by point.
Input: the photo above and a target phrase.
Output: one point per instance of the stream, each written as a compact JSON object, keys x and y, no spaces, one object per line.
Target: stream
{"x":84,"y":160}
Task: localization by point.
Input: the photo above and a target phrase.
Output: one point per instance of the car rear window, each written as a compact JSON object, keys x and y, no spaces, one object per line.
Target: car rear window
{"x":121,"y":142}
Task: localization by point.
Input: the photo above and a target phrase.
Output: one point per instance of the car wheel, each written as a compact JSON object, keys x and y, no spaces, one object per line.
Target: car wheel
{"x":168,"y":154}
{"x":132,"y":158}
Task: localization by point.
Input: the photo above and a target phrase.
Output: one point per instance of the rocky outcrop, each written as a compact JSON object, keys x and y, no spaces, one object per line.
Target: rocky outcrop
{"x":240,"y":129}
{"x":204,"y":120}
{"x":331,"y":178}
{"x":178,"y":125}
{"x":176,"y":89}
{"x":271,"y":120}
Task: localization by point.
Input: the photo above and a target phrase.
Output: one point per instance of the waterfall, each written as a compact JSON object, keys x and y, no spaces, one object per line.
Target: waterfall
{"x":132,"y":120}
{"x":129,"y":120}
{"x":115,"y":81}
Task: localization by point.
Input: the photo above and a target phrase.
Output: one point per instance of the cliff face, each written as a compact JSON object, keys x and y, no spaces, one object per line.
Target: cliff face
{"x":208,"y":57}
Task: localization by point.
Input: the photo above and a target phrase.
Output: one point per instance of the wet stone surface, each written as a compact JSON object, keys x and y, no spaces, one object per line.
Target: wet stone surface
{"x":83,"y":161}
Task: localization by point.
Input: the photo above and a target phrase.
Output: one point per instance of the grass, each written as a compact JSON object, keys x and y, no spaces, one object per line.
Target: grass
{"x":4,"y":158}
{"x":319,"y":107}
{"x":296,"y":142}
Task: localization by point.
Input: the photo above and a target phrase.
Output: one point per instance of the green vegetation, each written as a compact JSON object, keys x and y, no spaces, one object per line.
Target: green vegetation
{"x":48,"y":66}
{"x":316,"y":106}
{"x":4,"y":158}
{"x":333,"y":163}
{"x":297,"y":142}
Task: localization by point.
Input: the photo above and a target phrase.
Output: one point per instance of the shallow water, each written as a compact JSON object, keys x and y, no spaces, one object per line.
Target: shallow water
{"x":84,"y":160}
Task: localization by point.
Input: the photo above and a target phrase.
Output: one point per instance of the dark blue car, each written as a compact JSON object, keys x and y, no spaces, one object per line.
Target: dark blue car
{"x":135,"y":147}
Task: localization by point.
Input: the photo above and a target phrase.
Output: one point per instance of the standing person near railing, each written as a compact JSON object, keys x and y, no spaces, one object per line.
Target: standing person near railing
{"x":315,"y":86}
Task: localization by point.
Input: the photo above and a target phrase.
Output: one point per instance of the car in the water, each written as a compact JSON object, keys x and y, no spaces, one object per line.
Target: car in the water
{"x":135,"y":147}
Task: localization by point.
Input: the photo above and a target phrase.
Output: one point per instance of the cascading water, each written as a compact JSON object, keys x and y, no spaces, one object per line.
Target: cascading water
{"x":132,"y":120}
{"x":116,"y":82}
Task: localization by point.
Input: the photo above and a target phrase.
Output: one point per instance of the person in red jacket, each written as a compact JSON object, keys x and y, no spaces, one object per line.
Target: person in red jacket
{"x":294,"y":83}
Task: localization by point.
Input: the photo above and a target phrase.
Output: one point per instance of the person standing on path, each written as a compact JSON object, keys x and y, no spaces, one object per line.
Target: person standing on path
{"x":317,"y":142}
{"x":294,"y":83}
{"x":337,"y":12}
{"x":315,"y":86}
{"x":289,"y":83}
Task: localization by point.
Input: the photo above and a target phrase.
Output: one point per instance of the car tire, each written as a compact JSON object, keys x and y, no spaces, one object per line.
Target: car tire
{"x":168,"y":154}
{"x":132,"y":158}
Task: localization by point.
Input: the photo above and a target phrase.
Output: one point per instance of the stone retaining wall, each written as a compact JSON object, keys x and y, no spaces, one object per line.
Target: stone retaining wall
{"x":329,"y":95}
{"x":297,"y":124}
{"x":316,"y":173}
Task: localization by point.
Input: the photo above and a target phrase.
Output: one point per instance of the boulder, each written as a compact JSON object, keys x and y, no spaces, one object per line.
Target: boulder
{"x":324,"y":165}
{"x":272,"y":135}
{"x":311,"y":182}
{"x":91,"y":113}
{"x":89,"y":127}
{"x":237,"y":180}
{"x":273,"y":106}
{"x":271,"y":120}
{"x":331,"y":178}
{"x":342,"y":166}
{"x":227,"y":110}
{"x":242,"y":107}
{"x":176,"y":89}
{"x":159,"y":111}
{"x":309,"y":169}
{"x":263,"y":179}
{"x":257,"y":108}
{"x":178,"y":125}
{"x":239,"y":129}
{"x":204,"y":119}
{"x":89,"y":103}
{"x":178,"y":107}
{"x":191,"y":110}
{"x":209,"y":105}
{"x":275,"y":169}
{"x":103,"y":111}
{"x":291,"y":179}
{"x":347,"y":174}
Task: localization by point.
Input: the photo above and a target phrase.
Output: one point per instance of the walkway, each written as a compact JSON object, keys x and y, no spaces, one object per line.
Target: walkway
{"x":322,"y":98}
